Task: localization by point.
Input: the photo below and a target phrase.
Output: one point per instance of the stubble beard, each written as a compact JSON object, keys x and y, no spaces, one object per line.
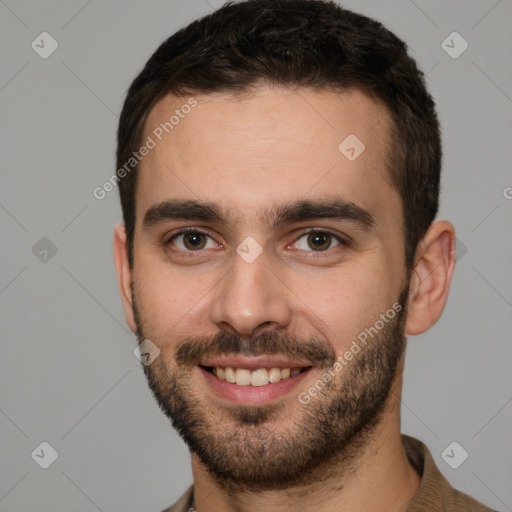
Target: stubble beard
{"x":271,"y":447}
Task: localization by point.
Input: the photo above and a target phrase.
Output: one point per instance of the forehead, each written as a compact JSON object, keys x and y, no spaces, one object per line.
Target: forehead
{"x":251,"y":152}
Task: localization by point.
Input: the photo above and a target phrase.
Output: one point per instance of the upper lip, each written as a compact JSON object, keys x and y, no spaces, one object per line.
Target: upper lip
{"x":253,"y":363}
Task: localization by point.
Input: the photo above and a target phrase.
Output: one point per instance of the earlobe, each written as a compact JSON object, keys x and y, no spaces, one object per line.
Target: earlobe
{"x":431,"y":278}
{"x":124,"y":274}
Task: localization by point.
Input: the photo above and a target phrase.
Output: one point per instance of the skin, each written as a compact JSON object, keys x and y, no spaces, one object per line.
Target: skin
{"x":247,"y":154}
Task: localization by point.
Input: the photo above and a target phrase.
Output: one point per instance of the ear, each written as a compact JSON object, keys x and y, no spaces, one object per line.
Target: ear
{"x":431,"y":277}
{"x":124,"y":274}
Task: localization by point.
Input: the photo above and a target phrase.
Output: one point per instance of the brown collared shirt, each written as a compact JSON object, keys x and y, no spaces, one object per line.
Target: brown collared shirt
{"x":434,"y":495}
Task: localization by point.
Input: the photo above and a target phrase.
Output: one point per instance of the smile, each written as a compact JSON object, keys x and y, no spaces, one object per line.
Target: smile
{"x":253,"y":381}
{"x":257,"y":377}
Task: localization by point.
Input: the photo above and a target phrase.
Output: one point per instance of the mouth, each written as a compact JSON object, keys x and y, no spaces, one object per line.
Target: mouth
{"x":254,"y":381}
{"x":256,"y":378}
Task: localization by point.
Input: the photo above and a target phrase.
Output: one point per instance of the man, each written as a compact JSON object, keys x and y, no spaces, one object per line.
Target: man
{"x":279,"y":166}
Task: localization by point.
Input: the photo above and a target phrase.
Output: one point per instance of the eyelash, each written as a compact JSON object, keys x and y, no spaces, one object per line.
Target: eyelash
{"x":344,"y":242}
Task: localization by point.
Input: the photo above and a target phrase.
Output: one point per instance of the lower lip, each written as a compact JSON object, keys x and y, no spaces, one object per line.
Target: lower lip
{"x":252,"y":395}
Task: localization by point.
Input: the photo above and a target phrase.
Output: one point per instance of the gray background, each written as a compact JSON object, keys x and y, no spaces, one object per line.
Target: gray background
{"x":68,"y":373}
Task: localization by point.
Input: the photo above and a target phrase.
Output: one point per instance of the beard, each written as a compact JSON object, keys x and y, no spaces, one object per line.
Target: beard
{"x":257,"y":448}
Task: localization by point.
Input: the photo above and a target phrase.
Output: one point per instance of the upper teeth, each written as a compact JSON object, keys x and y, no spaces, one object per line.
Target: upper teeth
{"x":259,"y":377}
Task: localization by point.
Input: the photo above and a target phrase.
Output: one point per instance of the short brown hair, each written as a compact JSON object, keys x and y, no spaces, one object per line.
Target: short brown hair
{"x":297,"y":43}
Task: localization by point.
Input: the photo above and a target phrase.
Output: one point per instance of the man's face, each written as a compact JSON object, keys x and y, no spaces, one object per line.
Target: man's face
{"x":252,"y":287}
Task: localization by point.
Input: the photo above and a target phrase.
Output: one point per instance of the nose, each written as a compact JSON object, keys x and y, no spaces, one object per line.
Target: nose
{"x":251,"y":298}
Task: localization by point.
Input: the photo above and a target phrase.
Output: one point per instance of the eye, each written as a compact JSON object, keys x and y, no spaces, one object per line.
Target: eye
{"x":313,"y":240}
{"x":192,"y":240}
{"x":318,"y":241}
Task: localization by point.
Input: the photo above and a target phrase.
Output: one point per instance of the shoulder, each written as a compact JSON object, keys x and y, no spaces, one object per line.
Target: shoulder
{"x":184,"y":503}
{"x":435,"y":492}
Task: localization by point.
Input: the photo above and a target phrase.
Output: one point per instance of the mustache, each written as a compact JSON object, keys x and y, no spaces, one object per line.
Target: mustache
{"x":316,"y":351}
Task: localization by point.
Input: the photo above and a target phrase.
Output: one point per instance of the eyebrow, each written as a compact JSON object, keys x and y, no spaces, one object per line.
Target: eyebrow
{"x":273,"y":217}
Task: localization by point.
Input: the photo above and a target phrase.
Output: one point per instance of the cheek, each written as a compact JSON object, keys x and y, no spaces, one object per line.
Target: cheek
{"x":340,"y":306}
{"x":169,"y":302}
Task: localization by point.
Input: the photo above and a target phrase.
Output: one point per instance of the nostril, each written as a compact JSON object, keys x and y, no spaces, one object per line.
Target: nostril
{"x":261,"y":327}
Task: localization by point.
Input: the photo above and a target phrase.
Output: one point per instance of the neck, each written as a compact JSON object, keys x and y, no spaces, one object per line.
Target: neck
{"x":381,"y":479}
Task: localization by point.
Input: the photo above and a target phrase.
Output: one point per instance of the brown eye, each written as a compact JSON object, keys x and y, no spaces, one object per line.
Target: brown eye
{"x":319,"y":241}
{"x":192,"y":241}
